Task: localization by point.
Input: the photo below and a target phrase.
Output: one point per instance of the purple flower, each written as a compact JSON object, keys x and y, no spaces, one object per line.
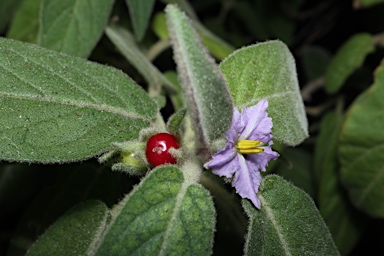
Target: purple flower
{"x":247,"y":152}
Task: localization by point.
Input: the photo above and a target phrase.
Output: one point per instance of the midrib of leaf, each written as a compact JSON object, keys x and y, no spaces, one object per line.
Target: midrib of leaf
{"x":100,"y":107}
{"x":179,"y":44}
{"x":279,"y":232}
{"x":179,"y":201}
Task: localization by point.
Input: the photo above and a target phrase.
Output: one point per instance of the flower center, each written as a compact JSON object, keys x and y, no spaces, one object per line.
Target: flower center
{"x":249,"y":146}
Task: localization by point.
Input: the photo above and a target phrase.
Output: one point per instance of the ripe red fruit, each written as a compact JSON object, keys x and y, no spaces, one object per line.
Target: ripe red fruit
{"x":157,"y":150}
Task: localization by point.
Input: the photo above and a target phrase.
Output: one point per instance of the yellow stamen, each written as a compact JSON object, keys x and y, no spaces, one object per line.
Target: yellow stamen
{"x":249,"y":146}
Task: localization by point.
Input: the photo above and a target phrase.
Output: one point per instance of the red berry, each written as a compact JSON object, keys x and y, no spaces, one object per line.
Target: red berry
{"x":157,"y":151}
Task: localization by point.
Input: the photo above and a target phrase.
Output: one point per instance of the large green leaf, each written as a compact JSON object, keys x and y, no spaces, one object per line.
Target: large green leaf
{"x":288,"y":223}
{"x":342,"y":219}
{"x":58,"y":108}
{"x":73,"y":26}
{"x":126,"y":44}
{"x":206,"y":94}
{"x":75,"y":232}
{"x":25,"y":24}
{"x":140,"y":12}
{"x":166,"y":214}
{"x":268,"y":71}
{"x":362,"y":149}
{"x":348,"y":58}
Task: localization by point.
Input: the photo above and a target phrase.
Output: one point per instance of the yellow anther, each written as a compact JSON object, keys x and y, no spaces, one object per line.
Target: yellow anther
{"x":249,"y":146}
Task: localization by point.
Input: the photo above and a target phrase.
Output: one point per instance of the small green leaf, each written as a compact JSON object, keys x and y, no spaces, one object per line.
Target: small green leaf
{"x":206,"y":95}
{"x":362,"y":148}
{"x":175,"y":120}
{"x":166,"y":214}
{"x":348,"y":58}
{"x":140,"y":12}
{"x":25,"y":23}
{"x":75,"y":232}
{"x":268,"y":71}
{"x":58,"y":108}
{"x":73,"y":26}
{"x":177,"y":98}
{"x":124,"y":41}
{"x":343,"y":221}
{"x":288,"y":223}
{"x":159,"y":26}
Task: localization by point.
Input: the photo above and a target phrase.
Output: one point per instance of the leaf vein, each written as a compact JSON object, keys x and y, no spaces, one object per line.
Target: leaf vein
{"x":98,"y":107}
{"x":279,"y":232}
{"x":58,"y":75}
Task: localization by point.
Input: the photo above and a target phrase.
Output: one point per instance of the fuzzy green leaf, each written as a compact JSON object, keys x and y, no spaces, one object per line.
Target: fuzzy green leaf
{"x":25,"y":24}
{"x":348,"y":58}
{"x":75,"y":232}
{"x":58,"y":108}
{"x":174,"y":122}
{"x":268,"y":71}
{"x":165,"y":214}
{"x":73,"y":26}
{"x":288,"y":223}
{"x":362,"y":148}
{"x":206,"y":95}
{"x":215,"y":45}
{"x":126,"y":44}
{"x":344,"y":223}
{"x":140,"y":12}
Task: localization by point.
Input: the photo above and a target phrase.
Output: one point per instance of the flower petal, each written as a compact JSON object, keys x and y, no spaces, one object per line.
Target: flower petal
{"x":256,"y":121}
{"x":260,"y":161}
{"x":229,"y":169}
{"x":224,"y":162}
{"x":247,"y":181}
